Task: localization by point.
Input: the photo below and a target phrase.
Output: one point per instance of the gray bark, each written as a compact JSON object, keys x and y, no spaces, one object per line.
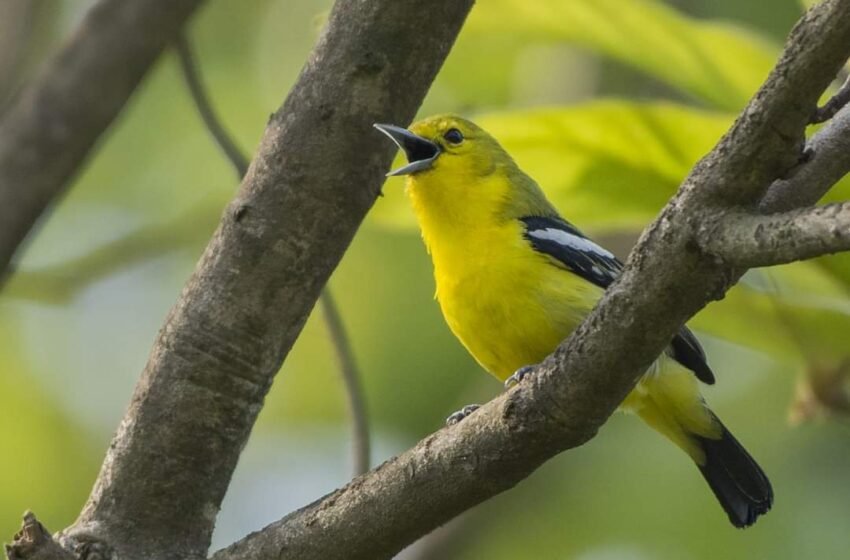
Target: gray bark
{"x":825,"y":161}
{"x":748,"y":241}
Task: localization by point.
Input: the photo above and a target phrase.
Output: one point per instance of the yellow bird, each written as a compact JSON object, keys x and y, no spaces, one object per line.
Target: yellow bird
{"x":514,"y":279}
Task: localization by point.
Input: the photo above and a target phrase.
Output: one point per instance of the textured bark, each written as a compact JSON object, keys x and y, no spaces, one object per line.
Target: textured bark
{"x":666,"y":280}
{"x":47,"y":132}
{"x":748,"y":241}
{"x":16,"y":24}
{"x":825,"y":161}
{"x":319,"y":169}
{"x":33,"y":542}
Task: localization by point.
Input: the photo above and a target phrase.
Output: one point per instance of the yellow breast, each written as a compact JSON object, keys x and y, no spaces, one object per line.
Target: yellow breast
{"x":509,"y":307}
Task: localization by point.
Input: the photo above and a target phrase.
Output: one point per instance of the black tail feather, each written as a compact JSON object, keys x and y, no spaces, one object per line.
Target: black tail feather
{"x":740,"y":485}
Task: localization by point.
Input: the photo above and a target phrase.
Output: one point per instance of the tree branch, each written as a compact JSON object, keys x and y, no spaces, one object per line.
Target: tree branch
{"x":573,"y":392}
{"x":826,"y":160}
{"x":16,"y":23}
{"x":199,"y":96}
{"x":318,"y":171}
{"x":33,"y":542}
{"x":835,"y":104}
{"x":336,"y":330}
{"x":47,"y":132}
{"x":361,"y":446}
{"x":746,"y":241}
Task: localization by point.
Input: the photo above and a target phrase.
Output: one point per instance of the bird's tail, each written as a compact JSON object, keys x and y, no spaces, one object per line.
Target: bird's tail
{"x":740,"y":485}
{"x":671,"y":404}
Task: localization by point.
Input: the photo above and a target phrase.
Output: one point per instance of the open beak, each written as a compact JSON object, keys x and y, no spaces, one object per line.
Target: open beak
{"x":421,"y":153}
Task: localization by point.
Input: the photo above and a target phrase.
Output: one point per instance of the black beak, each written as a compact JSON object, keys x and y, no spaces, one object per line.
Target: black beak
{"x":421,"y":153}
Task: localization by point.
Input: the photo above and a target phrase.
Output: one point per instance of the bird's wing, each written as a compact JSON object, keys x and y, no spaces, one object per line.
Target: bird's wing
{"x":563,"y":242}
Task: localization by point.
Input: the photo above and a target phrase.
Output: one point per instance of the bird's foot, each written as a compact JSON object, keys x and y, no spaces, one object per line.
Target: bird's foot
{"x":518,"y":376}
{"x":461,"y":414}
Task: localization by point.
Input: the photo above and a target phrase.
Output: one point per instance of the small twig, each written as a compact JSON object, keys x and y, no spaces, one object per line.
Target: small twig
{"x":753,"y":240}
{"x":196,"y":87}
{"x":835,"y":104}
{"x":33,"y":542}
{"x":827,"y":162}
{"x":351,"y":378}
{"x":336,"y":330}
{"x":59,"y":283}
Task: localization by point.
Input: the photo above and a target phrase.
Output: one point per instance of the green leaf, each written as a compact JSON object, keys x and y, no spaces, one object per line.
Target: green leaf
{"x":716,"y":62}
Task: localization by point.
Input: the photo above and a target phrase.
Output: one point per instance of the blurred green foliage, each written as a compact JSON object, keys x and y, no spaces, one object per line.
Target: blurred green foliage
{"x":715,"y":62}
{"x":608,"y":103}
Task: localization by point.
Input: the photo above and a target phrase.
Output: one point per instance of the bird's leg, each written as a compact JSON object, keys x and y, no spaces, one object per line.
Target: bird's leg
{"x":461,"y":414}
{"x":519,"y":375}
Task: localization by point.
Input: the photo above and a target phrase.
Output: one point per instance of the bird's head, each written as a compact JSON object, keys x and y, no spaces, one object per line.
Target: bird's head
{"x":459,"y":175}
{"x":447,"y":146}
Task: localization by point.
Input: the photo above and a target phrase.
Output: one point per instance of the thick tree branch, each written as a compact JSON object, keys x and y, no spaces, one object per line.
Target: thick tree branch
{"x":745,"y":240}
{"x":16,"y":23}
{"x":666,"y":280}
{"x":336,"y":330}
{"x":47,"y":132}
{"x":318,"y":171}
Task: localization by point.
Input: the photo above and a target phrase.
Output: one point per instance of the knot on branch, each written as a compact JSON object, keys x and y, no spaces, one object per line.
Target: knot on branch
{"x":371,"y":63}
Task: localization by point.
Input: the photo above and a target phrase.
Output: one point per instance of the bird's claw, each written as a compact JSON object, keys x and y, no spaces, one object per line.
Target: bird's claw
{"x":518,"y":376}
{"x":461,"y":414}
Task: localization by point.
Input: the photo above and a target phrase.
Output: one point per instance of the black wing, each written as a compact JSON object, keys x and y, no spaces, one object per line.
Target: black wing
{"x":563,"y":242}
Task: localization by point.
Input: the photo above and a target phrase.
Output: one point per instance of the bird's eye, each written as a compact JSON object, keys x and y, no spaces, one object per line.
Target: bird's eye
{"x":453,"y":136}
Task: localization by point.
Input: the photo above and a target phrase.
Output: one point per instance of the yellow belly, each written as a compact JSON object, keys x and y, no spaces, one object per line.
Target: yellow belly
{"x":502,"y":333}
{"x":513,"y":307}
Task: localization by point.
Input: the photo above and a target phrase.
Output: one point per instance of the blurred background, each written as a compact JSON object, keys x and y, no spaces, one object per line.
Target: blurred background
{"x":608,"y":103}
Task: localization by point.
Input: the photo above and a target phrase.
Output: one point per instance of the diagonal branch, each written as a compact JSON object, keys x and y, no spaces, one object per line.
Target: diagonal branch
{"x":747,"y":241}
{"x":51,"y":126}
{"x":826,"y":160}
{"x":336,"y":330}
{"x":666,"y":280}
{"x":835,"y":104}
{"x":16,"y":26}
{"x":318,"y":171}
